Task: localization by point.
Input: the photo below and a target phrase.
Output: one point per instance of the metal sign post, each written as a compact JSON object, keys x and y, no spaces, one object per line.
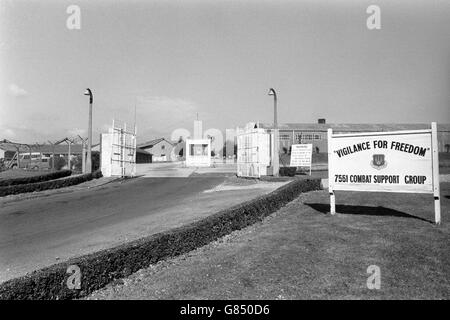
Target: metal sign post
{"x":330,"y":172}
{"x":436,"y":186}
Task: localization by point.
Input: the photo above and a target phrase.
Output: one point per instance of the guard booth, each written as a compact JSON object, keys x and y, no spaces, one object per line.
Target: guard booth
{"x":198,"y":153}
{"x":254,"y":149}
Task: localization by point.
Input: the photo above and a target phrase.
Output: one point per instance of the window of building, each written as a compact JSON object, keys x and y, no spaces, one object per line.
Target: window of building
{"x":199,"y":149}
{"x":307,"y":136}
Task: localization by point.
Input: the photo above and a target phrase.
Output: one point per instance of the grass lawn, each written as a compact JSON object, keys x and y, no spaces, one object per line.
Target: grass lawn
{"x":444,"y":156}
{"x":444,"y":162}
{"x":301,"y":252}
{"x":444,"y":170}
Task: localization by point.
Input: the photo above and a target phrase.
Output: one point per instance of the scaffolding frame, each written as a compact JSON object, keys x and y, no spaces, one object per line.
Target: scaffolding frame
{"x":123,"y":153}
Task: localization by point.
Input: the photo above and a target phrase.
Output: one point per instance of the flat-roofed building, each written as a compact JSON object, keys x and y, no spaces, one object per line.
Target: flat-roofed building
{"x":316,"y":133}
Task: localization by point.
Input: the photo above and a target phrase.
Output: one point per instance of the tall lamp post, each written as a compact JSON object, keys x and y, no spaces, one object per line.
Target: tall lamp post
{"x":88,"y":167}
{"x":276,"y":156}
{"x":83,"y":154}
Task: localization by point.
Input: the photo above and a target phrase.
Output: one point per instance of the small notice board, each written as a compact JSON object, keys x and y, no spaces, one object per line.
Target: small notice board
{"x":301,"y":156}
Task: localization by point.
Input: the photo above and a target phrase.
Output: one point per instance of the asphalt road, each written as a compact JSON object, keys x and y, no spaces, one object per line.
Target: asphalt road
{"x":45,"y":230}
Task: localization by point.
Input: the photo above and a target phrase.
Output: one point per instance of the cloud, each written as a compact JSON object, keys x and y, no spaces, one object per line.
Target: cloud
{"x":75,"y":132}
{"x":16,"y":91}
{"x":7,"y":133}
{"x":164,"y":114}
{"x":165,"y":106}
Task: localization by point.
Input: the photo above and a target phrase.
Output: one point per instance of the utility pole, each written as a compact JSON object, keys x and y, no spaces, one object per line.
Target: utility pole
{"x":135,"y":103}
{"x":69,"y":154}
{"x":88,"y":168}
{"x":38,"y":148}
{"x":68,"y":157}
{"x":69,"y":142}
{"x":83,"y":154}
{"x":53,"y":154}
{"x":276,"y":155}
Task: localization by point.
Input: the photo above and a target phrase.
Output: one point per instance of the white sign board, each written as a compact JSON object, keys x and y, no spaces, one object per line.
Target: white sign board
{"x":399,"y":161}
{"x":301,"y":155}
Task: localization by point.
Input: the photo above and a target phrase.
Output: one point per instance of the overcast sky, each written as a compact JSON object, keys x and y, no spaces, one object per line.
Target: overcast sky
{"x":219,"y":58}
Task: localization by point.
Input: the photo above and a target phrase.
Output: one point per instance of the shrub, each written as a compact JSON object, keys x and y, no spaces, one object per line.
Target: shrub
{"x":100,"y":268}
{"x":95,"y":161}
{"x":34,"y":179}
{"x":288,"y":171}
{"x":47,"y":185}
{"x":77,"y":162}
{"x":60,"y":162}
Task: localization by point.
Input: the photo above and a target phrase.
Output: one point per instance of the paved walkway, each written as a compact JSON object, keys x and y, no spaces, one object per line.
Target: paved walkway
{"x":177,"y":169}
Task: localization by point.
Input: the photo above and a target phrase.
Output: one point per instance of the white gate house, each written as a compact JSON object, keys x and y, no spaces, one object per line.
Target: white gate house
{"x":118,"y":151}
{"x":253,"y":152}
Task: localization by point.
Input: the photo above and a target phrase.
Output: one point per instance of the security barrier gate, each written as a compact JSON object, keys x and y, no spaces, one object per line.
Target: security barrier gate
{"x":253,"y":152}
{"x":119,"y":151}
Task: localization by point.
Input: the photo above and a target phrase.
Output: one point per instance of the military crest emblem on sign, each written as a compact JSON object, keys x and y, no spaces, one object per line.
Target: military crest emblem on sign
{"x":378,"y":161}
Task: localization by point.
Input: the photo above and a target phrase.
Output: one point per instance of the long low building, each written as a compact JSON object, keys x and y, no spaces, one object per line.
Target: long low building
{"x":316,"y":133}
{"x":159,"y":148}
{"x":8,"y":150}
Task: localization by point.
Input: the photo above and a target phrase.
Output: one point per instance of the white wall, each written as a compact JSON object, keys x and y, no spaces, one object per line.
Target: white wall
{"x":105,"y":154}
{"x":253,"y":152}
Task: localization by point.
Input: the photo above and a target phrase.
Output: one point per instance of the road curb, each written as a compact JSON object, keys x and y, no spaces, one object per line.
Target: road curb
{"x":50,"y":192}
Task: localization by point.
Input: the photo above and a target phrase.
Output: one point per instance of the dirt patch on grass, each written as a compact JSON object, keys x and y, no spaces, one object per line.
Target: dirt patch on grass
{"x":236,"y":184}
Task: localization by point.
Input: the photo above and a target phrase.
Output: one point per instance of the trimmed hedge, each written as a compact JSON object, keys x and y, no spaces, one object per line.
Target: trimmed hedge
{"x":47,"y":185}
{"x":288,"y":171}
{"x":35,"y":179}
{"x":102,"y":267}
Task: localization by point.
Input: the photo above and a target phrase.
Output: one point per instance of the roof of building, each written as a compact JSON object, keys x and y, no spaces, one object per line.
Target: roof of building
{"x":151,"y":143}
{"x":355,"y":127}
{"x":7,"y":146}
{"x":139,"y":150}
{"x":47,"y":148}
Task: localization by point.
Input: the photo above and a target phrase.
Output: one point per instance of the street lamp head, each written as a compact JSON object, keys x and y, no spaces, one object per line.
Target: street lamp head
{"x":272,"y":92}
{"x":88,"y":92}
